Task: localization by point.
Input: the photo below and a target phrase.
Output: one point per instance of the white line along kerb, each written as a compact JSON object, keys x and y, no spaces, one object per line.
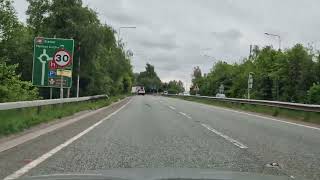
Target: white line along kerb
{"x":45,"y":156}
{"x":235,"y":142}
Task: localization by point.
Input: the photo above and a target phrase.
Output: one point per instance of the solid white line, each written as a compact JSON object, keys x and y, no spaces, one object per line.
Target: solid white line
{"x":184,"y":114}
{"x":171,"y":107}
{"x":269,"y":118}
{"x":45,"y":156}
{"x":32,"y":135}
{"x":235,"y":142}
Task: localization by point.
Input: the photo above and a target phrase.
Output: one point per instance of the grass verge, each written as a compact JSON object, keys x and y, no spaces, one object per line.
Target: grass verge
{"x":312,"y":117}
{"x":17,"y":120}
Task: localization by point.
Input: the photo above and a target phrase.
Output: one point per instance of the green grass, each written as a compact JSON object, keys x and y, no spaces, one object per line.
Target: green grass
{"x":17,"y":120}
{"x":312,"y":117}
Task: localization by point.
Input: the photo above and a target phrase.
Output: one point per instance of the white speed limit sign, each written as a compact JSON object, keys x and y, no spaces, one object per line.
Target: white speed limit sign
{"x":62,"y":58}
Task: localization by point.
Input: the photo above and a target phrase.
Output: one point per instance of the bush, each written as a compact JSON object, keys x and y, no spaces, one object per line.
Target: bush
{"x":12,"y":88}
{"x":314,"y":94}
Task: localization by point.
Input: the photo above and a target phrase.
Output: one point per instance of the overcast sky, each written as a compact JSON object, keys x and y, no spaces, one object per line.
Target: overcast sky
{"x":173,"y":35}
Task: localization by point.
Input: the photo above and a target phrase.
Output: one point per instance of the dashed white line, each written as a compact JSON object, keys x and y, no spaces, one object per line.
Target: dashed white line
{"x":47,"y":155}
{"x":184,"y":114}
{"x":235,"y":142}
{"x":171,"y":107}
{"x":263,"y":117}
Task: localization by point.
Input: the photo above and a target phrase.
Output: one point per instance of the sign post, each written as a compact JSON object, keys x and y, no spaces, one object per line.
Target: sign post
{"x":196,"y":89}
{"x":250,"y":83}
{"x":53,"y":62}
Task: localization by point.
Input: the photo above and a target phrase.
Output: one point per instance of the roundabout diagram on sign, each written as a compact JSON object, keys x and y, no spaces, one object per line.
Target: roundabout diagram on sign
{"x":43,"y":63}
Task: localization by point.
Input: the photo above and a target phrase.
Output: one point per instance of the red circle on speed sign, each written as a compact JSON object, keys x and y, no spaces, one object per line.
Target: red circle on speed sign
{"x":62,"y":58}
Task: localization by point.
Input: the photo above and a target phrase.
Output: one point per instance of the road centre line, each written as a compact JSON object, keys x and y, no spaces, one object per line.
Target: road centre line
{"x":184,"y":114}
{"x":233,"y":141}
{"x":171,"y":107}
{"x":47,"y":155}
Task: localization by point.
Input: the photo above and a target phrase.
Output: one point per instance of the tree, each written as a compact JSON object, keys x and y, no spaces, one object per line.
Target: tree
{"x":175,"y":87}
{"x":196,"y":79}
{"x":12,"y":88}
{"x":314,"y":94}
{"x":105,"y":68}
{"x":149,"y":79}
{"x":12,"y":38}
{"x":277,"y":75}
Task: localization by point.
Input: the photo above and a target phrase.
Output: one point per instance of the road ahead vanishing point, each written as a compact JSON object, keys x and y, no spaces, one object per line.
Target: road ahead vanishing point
{"x":156,"y":132}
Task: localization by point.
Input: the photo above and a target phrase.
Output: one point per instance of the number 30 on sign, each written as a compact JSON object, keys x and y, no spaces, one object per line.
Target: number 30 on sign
{"x":62,"y":58}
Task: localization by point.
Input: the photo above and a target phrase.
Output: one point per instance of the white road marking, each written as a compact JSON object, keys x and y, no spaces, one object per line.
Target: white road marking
{"x":184,"y":114}
{"x":235,"y":142}
{"x":171,"y":107}
{"x":45,"y":156}
{"x":32,"y":135}
{"x":269,"y":118}
{"x":254,"y":115}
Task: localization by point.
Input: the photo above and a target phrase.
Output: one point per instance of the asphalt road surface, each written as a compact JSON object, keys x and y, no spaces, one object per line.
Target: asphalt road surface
{"x":155,"y":132}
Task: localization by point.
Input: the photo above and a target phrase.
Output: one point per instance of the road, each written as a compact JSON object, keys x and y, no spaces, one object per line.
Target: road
{"x":153,"y":132}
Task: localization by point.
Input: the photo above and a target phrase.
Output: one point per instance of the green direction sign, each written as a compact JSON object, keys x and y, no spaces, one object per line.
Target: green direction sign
{"x":52,"y":62}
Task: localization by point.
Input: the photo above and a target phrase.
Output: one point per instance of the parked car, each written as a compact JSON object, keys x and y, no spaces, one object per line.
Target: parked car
{"x":165,"y":92}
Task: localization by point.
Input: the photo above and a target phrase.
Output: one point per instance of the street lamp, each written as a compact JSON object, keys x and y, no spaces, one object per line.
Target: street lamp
{"x":124,"y":27}
{"x":275,"y":35}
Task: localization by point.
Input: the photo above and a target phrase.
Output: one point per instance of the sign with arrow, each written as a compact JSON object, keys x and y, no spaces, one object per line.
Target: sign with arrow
{"x":52,"y":58}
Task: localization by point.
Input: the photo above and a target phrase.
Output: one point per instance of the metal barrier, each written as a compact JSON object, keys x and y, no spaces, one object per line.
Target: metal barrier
{"x":37,"y":103}
{"x":280,"y":104}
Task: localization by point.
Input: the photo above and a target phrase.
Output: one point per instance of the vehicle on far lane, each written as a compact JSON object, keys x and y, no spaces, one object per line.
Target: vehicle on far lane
{"x":141,"y":91}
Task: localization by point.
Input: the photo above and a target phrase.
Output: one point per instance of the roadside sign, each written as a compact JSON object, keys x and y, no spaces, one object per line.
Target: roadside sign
{"x":52,"y":73}
{"x":62,"y":58}
{"x":250,"y":81}
{"x":221,"y":89}
{"x":65,"y":73}
{"x":196,"y":88}
{"x":52,"y":57}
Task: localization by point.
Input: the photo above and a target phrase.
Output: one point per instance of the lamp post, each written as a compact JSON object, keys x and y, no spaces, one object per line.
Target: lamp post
{"x":275,"y":35}
{"x":124,"y":27}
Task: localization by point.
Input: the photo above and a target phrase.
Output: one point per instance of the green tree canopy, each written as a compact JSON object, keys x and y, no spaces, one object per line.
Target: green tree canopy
{"x":149,"y":79}
{"x":175,"y":87}
{"x":277,"y":75}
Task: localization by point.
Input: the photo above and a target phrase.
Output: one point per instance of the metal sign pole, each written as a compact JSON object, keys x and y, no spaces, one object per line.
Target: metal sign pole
{"x":78,"y":78}
{"x":68,"y":93}
{"x":50,"y":92}
{"x":61,"y":86}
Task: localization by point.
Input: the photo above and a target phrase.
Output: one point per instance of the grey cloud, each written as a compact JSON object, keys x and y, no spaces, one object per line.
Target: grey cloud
{"x":164,"y":43}
{"x":231,"y":34}
{"x":172,"y":33}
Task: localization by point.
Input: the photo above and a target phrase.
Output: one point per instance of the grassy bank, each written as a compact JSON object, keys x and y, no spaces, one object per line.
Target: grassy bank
{"x":312,"y":117}
{"x":16,"y":120}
